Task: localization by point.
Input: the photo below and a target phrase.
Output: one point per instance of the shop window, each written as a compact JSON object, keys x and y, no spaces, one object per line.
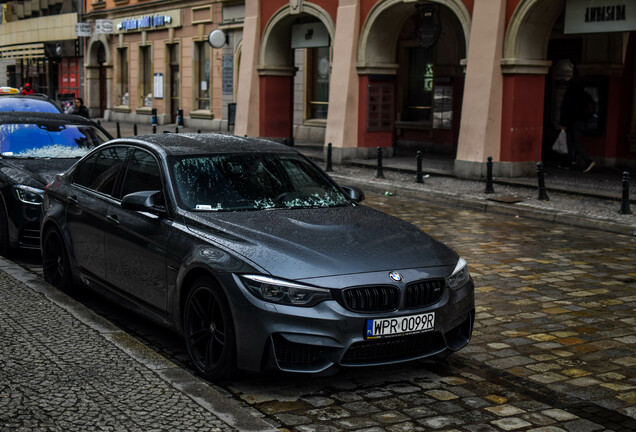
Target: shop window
{"x":145,"y":86}
{"x":202,"y":75}
{"x":318,"y":82}
{"x":418,"y":96}
{"x":122,"y":76}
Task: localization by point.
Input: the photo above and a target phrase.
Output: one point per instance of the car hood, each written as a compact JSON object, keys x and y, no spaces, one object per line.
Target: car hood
{"x":40,"y":170}
{"x":308,"y":243}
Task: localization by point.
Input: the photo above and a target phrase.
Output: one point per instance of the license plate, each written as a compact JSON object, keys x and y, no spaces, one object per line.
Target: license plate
{"x":382,"y":327}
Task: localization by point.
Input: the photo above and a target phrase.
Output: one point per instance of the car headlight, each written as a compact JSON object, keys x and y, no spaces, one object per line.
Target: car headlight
{"x":460,"y":275}
{"x":284,"y":292}
{"x":28,"y":194}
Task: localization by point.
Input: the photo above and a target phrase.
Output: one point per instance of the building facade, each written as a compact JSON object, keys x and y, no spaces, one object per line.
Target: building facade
{"x":153,"y":61}
{"x":38,"y":46}
{"x":468,"y":78}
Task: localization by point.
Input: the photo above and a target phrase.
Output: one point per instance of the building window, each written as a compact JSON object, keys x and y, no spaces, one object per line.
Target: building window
{"x":202,"y":75}
{"x":122,"y":76}
{"x":318,"y":82}
{"x":145,"y":86}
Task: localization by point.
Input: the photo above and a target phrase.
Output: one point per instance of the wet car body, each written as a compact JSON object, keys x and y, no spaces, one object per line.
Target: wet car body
{"x":29,"y":159}
{"x":300,"y":287}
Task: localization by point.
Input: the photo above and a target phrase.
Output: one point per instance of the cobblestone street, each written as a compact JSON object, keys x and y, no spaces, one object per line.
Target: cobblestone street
{"x":554,"y":349}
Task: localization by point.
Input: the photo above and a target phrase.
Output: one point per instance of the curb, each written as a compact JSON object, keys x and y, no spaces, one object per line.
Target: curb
{"x":483,"y":206}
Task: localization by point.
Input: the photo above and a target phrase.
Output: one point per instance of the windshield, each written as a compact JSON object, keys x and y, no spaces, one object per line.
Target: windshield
{"x":25,"y":104}
{"x":252,"y":182}
{"x":49,"y":141}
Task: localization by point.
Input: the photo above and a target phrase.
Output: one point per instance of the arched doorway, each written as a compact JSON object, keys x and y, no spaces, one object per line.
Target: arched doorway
{"x":294,"y":72}
{"x":538,"y":44}
{"x":411,"y":77}
{"x":98,"y":76}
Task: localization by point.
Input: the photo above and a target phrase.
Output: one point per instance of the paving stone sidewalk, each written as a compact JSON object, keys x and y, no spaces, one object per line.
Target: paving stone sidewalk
{"x":62,"y":368}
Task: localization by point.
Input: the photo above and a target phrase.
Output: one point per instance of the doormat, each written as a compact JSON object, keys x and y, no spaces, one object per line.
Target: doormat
{"x":506,"y":199}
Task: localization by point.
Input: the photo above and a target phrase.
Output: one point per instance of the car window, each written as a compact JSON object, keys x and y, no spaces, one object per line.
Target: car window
{"x":251,"y":182}
{"x":27,"y":104}
{"x":99,"y":171}
{"x":48,"y":139}
{"x":142,"y":174}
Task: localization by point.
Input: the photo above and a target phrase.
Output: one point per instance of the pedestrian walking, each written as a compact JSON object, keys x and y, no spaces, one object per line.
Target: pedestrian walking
{"x":79,"y":108}
{"x":576,"y":108}
{"x":28,"y":90}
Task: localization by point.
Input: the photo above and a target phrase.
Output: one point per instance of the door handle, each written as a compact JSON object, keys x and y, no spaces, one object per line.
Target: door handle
{"x":113,"y":218}
{"x":72,"y":199}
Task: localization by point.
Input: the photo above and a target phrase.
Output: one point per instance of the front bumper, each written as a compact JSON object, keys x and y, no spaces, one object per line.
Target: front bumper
{"x":314,"y":339}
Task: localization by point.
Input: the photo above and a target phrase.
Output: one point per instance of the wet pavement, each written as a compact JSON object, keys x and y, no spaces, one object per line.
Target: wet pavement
{"x":554,"y":349}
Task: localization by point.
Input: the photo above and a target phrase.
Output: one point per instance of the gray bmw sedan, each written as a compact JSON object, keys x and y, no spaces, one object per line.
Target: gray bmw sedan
{"x":254,"y":254}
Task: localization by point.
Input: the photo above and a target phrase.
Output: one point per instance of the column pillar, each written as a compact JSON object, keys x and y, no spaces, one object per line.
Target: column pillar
{"x":480,"y":130}
{"x":342,"y":118}
{"x":247,"y":95}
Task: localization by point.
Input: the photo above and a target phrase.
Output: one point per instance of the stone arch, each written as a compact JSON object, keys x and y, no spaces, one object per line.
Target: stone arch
{"x":275,"y":50}
{"x":93,"y":46}
{"x":377,"y":47}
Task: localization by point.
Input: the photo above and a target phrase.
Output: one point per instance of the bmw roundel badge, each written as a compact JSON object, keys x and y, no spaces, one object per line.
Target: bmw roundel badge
{"x":396,"y":277}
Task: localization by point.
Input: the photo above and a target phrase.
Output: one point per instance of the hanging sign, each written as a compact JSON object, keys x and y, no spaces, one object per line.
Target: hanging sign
{"x":83,"y":29}
{"x":104,"y":26}
{"x":312,"y":35}
{"x":599,"y":16}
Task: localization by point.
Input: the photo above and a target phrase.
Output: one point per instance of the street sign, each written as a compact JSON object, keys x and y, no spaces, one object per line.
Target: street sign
{"x":83,"y":29}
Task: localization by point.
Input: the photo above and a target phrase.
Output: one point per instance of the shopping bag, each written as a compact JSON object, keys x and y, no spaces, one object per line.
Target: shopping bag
{"x":561,"y":144}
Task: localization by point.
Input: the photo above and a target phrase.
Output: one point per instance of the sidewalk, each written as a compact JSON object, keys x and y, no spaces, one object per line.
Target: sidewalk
{"x":590,"y":200}
{"x":64,"y":368}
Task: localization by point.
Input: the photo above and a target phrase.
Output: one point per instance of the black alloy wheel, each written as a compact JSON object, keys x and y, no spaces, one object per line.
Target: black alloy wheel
{"x":5,"y":247}
{"x":55,"y":262}
{"x":209,"y":331}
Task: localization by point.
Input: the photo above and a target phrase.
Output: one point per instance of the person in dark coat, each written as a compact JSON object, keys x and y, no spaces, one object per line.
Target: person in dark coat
{"x":79,"y":108}
{"x":576,"y":108}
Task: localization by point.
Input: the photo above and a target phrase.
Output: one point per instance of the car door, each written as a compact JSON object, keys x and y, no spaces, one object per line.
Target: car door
{"x":136,"y":241}
{"x":88,"y":198}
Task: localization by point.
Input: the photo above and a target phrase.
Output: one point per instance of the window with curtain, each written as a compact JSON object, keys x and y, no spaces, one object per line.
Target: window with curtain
{"x":122,"y":76}
{"x":145,"y":61}
{"x":318,"y":82}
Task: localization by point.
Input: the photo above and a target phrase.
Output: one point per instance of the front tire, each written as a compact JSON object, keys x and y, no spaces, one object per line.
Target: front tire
{"x":5,"y":247}
{"x":56,"y":265}
{"x":209,"y":331}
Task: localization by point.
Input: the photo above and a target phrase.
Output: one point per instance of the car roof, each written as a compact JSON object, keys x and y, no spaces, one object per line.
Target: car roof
{"x":182,"y":144}
{"x":40,"y":118}
{"x":40,"y":97}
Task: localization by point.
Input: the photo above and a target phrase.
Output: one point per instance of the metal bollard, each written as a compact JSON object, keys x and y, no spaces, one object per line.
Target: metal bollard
{"x":135,"y":129}
{"x":199,"y":131}
{"x":154,"y":116}
{"x":543,"y":195}
{"x":180,"y":118}
{"x":420,"y":176}
{"x":99,"y":122}
{"x":176,"y":129}
{"x":489,"y":187}
{"x":154,"y":129}
{"x":118,"y":131}
{"x":380,"y":173}
{"x":329,"y":168}
{"x":625,"y":200}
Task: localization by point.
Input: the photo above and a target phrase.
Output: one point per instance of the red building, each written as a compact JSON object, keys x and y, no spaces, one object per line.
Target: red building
{"x":467,"y":78}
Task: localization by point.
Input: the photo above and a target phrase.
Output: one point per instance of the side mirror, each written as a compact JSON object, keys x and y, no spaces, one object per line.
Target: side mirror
{"x":355,"y":193}
{"x":148,"y":201}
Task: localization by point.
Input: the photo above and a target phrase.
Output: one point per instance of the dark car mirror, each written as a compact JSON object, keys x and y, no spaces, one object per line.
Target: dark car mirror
{"x":355,"y":193}
{"x":148,"y":201}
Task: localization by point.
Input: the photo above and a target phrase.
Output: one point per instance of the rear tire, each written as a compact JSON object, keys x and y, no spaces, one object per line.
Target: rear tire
{"x":56,"y":265}
{"x":209,"y":331}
